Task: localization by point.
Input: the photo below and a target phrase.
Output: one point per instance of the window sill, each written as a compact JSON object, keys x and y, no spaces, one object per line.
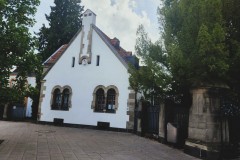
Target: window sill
{"x":107,"y":111}
{"x":54,"y":109}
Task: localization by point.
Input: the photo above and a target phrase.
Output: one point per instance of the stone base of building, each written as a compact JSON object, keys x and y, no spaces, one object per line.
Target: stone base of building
{"x":101,"y":127}
{"x":201,"y":150}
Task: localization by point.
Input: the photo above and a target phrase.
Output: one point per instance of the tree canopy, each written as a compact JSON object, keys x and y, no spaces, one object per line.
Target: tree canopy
{"x":202,"y":41}
{"x":194,"y":36}
{"x":16,"y":47}
{"x":231,"y":15}
{"x":153,"y":77}
{"x":201,"y":47}
{"x":64,"y":21}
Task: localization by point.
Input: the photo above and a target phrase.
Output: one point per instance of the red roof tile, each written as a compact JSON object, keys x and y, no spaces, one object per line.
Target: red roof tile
{"x":53,"y":58}
{"x":114,"y":42}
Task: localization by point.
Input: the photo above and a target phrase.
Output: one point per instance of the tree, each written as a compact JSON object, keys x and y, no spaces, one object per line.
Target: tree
{"x":194,"y":38}
{"x":153,"y":78}
{"x":202,"y":39}
{"x":16,"y":47}
{"x":200,"y":47}
{"x":231,"y":15}
{"x":64,"y":22}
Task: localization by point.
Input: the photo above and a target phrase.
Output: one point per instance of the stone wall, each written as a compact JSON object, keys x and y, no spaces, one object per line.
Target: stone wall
{"x":131,"y":107}
{"x":162,"y":122}
{"x":204,"y":132}
{"x":42,"y":95}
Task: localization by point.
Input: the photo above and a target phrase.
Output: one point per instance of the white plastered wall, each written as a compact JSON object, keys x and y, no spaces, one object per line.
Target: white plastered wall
{"x":83,"y":79}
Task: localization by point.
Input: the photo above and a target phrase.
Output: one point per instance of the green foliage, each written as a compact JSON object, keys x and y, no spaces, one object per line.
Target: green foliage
{"x":201,"y":48}
{"x":231,"y":15}
{"x":16,"y":47}
{"x":202,"y":42}
{"x":229,"y":103}
{"x":194,"y":37}
{"x":153,"y":78}
{"x":64,"y":21}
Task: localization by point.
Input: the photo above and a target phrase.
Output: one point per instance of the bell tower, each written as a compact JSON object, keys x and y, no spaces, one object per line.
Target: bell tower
{"x":85,"y":55}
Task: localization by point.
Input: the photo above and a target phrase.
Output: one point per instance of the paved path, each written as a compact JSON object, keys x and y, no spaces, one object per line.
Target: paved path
{"x":27,"y":141}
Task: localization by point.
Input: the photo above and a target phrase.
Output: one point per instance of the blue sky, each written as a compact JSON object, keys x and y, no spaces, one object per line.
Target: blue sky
{"x":117,"y":18}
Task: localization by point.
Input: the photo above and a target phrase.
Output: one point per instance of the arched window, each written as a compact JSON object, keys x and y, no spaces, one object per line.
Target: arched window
{"x":100,"y":100}
{"x":61,"y":98}
{"x":65,"y":99}
{"x":105,"y":99}
{"x":56,"y":99}
{"x":111,"y":100}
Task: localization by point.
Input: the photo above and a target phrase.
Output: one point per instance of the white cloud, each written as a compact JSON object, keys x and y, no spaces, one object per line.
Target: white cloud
{"x":116,"y":18}
{"x":132,"y":4}
{"x":119,"y":20}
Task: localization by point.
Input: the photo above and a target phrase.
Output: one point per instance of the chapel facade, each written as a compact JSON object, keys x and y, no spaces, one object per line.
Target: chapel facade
{"x":86,"y":81}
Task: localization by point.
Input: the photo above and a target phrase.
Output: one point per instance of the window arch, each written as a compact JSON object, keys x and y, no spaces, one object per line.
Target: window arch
{"x":100,"y":100}
{"x":105,"y":99}
{"x":61,"y":98}
{"x":112,"y":88}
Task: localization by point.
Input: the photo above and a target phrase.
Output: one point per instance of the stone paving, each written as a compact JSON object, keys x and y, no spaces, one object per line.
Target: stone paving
{"x":28,"y":141}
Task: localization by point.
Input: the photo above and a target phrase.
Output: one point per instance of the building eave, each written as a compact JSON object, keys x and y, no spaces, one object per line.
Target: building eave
{"x":71,"y":41}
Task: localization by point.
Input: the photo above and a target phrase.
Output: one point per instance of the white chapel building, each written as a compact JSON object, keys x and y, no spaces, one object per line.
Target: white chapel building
{"x":86,"y":81}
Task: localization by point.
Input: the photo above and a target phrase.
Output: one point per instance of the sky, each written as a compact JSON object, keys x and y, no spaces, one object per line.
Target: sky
{"x":116,"y":18}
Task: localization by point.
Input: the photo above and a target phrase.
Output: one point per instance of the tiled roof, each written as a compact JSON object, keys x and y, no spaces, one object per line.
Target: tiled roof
{"x":53,"y":58}
{"x":115,"y":43}
{"x":120,"y":50}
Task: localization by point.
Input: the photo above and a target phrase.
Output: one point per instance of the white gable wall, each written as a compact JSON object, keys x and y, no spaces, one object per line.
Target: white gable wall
{"x":83,"y":80}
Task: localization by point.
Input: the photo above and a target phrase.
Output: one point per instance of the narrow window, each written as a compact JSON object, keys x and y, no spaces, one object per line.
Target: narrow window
{"x":111,"y":94}
{"x":65,"y":99}
{"x":56,"y":99}
{"x":100,"y":100}
{"x":98,"y":60}
{"x":73,"y":61}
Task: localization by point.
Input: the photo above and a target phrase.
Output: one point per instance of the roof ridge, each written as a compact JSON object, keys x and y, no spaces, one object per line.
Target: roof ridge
{"x":106,"y":39}
{"x":110,"y":41}
{"x":66,"y":45}
{"x":120,"y":52}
